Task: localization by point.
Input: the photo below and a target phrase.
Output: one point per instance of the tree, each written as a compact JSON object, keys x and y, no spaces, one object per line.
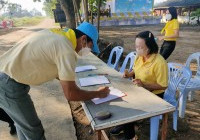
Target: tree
{"x":85,"y":3}
{"x":35,"y":12}
{"x":68,"y":8}
{"x":76,"y":7}
{"x":196,"y":14}
{"x":94,"y":4}
{"x":48,"y":6}
{"x":13,"y":9}
{"x":23,"y":13}
{"x":3,"y":3}
{"x":98,"y":14}
{"x":93,"y":7}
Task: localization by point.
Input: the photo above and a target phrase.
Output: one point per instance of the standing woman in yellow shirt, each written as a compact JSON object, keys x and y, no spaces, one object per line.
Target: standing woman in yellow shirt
{"x":171,"y":30}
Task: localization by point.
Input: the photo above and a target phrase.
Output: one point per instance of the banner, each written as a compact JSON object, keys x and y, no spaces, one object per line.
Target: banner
{"x":133,"y":5}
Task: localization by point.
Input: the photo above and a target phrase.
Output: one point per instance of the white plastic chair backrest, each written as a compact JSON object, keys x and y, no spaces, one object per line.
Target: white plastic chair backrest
{"x":118,"y":50}
{"x":178,"y":75}
{"x":130,"y":57}
{"x":194,"y":56}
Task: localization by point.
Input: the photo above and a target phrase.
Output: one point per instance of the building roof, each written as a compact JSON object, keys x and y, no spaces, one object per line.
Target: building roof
{"x":176,"y":3}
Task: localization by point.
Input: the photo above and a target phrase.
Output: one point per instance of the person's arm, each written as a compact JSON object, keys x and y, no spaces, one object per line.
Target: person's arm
{"x":175,"y":35}
{"x":161,"y":75}
{"x":149,"y":87}
{"x":73,"y":93}
{"x":128,"y":74}
{"x":152,"y":87}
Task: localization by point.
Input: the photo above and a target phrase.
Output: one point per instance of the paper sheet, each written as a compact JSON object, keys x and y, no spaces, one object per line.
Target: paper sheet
{"x":114,"y":94}
{"x":93,"y":80}
{"x":85,"y":68}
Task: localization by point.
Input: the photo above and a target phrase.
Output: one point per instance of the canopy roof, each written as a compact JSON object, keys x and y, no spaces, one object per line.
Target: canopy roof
{"x":177,"y":3}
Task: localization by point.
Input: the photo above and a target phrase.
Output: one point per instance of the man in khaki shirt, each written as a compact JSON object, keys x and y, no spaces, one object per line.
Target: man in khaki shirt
{"x":42,"y":57}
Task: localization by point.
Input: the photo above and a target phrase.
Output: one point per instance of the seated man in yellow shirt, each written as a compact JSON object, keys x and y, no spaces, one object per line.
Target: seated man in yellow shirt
{"x":149,"y":71}
{"x":42,"y":57}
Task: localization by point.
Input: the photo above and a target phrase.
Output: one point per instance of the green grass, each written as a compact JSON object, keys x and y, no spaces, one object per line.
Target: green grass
{"x":27,"y":21}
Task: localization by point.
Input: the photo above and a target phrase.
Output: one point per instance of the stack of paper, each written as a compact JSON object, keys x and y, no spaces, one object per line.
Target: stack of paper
{"x":85,"y":68}
{"x":114,"y":94}
{"x":93,"y":80}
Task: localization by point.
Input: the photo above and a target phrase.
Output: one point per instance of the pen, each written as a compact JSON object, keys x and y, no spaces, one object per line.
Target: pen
{"x":97,"y":74}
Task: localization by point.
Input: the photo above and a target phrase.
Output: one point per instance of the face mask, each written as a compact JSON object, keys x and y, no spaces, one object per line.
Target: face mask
{"x":168,"y":17}
{"x":84,"y":51}
{"x":141,"y":52}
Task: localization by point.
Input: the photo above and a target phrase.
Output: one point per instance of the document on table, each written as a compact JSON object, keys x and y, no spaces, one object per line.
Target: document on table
{"x":93,"y":80}
{"x":114,"y":94}
{"x":85,"y":68}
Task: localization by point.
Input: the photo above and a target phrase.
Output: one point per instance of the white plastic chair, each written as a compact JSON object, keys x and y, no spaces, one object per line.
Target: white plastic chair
{"x":130,"y":57}
{"x":195,"y":81}
{"x":178,"y":75}
{"x":193,"y":85}
{"x":178,"y":81}
{"x":118,"y":50}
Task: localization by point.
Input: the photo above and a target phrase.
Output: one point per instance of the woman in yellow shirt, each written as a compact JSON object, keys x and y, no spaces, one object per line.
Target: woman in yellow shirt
{"x":171,"y":30}
{"x":150,"y":71}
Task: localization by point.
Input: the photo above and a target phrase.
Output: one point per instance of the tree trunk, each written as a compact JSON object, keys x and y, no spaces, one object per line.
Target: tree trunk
{"x":68,"y":8}
{"x":86,"y":10}
{"x":98,"y":14}
{"x":77,"y":11}
{"x":78,"y":3}
{"x":91,"y":12}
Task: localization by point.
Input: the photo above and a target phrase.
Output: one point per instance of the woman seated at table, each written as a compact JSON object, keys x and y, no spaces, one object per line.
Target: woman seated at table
{"x":149,"y":71}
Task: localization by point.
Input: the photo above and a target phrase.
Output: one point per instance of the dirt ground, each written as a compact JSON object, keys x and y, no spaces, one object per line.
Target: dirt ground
{"x":188,"y":43}
{"x":8,"y":30}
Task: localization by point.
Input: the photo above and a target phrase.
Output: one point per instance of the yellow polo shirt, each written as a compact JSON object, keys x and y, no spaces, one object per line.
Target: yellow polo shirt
{"x":154,"y":70}
{"x":39,"y":58}
{"x":169,"y":29}
{"x":70,"y":35}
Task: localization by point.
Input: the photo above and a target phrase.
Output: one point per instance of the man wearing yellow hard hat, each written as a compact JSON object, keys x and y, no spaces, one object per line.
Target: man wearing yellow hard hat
{"x":42,"y":57}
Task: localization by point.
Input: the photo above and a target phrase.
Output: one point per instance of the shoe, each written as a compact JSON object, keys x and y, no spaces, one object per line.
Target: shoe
{"x":12,"y":129}
{"x":117,"y":130}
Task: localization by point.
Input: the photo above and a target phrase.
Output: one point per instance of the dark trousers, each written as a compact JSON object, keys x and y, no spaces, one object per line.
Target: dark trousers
{"x":17,"y":103}
{"x":129,"y":130}
{"x":167,"y":48}
{"x":4,"y":117}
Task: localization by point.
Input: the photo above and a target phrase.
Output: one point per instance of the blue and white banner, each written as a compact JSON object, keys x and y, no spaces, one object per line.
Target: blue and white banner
{"x":133,"y":5}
